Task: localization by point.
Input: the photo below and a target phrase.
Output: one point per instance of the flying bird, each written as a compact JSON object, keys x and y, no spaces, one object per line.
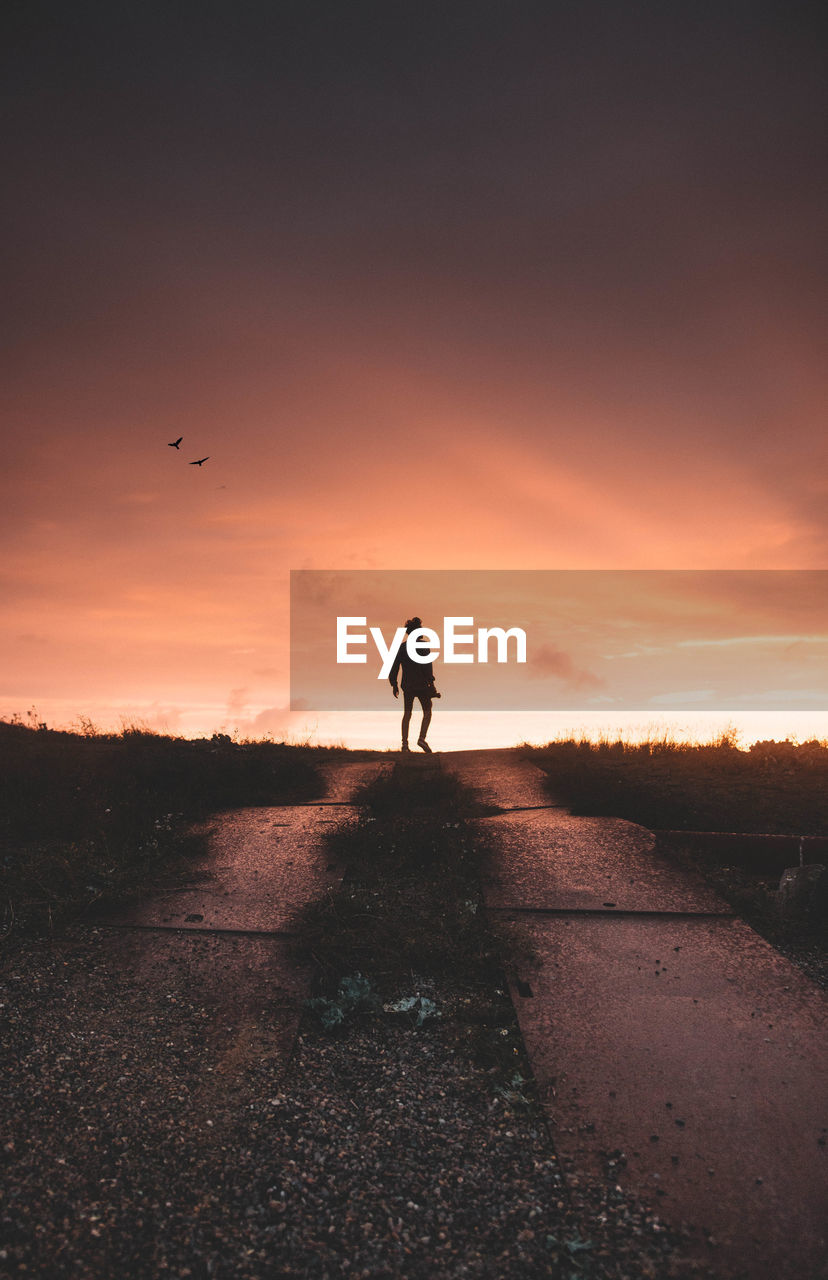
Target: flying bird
{"x":175,"y":443}
{"x":199,"y":461}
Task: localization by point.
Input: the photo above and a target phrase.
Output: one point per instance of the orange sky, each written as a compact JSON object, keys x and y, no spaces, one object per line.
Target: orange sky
{"x":540,"y":290}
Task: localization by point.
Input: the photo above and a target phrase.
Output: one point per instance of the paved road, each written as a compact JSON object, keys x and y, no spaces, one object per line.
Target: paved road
{"x":262,"y":864}
{"x":661,"y":1027}
{"x":223,"y":935}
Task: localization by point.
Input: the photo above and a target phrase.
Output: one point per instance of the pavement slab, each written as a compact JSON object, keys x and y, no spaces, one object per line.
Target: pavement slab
{"x":262,"y":865}
{"x":217,"y":942}
{"x":664,"y":1033}
{"x":700,"y":1053}
{"x":501,"y":778}
{"x":550,"y":860}
{"x":344,"y":778}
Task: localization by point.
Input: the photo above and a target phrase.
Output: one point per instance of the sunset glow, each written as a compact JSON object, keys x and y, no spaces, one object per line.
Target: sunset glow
{"x":523,"y":292}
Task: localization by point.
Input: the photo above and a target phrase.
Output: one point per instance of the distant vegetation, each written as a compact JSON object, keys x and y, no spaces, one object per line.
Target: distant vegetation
{"x":775,"y":787}
{"x":88,"y":815}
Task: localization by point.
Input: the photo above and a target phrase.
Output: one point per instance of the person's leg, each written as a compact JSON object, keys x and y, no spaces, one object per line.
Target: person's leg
{"x":425,"y":703}
{"x":408,"y":707}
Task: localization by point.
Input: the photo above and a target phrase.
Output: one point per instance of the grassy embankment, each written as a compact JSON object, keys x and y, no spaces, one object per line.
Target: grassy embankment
{"x":90,"y":816}
{"x":774,"y":788}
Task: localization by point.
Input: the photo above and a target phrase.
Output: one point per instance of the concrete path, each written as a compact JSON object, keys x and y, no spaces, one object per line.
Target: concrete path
{"x":262,"y":864}
{"x":224,"y":935}
{"x":664,"y":1033}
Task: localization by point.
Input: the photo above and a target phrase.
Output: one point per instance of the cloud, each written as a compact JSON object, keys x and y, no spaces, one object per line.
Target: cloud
{"x":681,"y":696}
{"x":283,"y":723}
{"x":729,"y":641}
{"x":548,"y":661}
{"x":271,"y":720}
{"x":158,"y":716}
{"x":237,"y":704}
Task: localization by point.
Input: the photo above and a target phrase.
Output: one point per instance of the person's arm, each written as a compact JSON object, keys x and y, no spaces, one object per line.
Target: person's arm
{"x":392,"y":675}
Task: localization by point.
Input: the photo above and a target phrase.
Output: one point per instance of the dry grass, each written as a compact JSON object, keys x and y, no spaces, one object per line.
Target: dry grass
{"x":774,"y":788}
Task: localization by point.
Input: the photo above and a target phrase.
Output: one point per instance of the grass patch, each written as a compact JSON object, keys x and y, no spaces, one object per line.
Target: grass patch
{"x":410,"y":902}
{"x":409,"y":914}
{"x":86,"y":815}
{"x":775,"y":788}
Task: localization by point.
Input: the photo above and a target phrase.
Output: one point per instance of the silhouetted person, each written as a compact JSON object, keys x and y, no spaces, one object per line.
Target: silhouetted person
{"x":417,"y":682}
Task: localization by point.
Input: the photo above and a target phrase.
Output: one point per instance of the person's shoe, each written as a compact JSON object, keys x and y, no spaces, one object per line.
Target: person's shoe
{"x":404,"y":747}
{"x":421,"y":742}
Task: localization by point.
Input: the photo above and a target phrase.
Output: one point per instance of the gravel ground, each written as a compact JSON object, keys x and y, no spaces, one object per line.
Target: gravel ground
{"x":149,"y":1130}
